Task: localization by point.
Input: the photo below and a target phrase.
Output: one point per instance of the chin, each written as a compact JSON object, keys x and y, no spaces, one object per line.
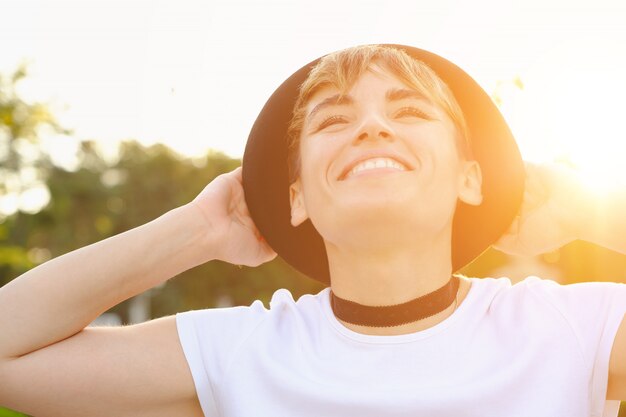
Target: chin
{"x":383,"y":224}
{"x":375,"y":197}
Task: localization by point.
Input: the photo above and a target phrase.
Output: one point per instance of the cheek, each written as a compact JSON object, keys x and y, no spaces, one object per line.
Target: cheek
{"x":311,"y":175}
{"x":319,"y":164}
{"x":318,"y":158}
{"x":439,"y":160}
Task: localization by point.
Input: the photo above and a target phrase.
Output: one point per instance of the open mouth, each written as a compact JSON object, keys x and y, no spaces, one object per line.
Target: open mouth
{"x":375,"y":164}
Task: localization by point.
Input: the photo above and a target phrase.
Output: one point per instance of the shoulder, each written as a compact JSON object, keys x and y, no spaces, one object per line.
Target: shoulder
{"x":217,"y":334}
{"x":306,"y":311}
{"x":535,"y":290}
{"x":569,"y":298}
{"x":588,"y":309}
{"x":547,"y":289}
{"x":243,"y":319}
{"x":283,"y":299}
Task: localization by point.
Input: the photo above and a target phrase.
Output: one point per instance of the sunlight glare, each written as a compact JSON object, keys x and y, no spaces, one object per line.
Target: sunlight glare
{"x":34,"y":199}
{"x":573,"y":116}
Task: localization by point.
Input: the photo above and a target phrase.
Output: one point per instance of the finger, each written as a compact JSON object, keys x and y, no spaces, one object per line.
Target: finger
{"x":268,"y":251}
{"x":534,"y":197}
{"x":515,"y":226}
{"x":243,"y":214}
{"x":237,"y":173}
{"x":507,"y":244}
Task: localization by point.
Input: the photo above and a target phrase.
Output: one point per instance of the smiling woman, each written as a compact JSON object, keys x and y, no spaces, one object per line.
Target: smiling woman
{"x":492,"y":143}
{"x":378,"y":197}
{"x":374,"y":127}
{"x":340,"y":72}
{"x":385,"y":208}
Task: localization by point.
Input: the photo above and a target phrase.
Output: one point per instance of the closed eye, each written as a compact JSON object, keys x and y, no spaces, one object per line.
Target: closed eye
{"x":412,"y":112}
{"x":331,"y":120}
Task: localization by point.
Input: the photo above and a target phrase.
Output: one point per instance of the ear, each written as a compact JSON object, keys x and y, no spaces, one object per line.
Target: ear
{"x":296,"y":199}
{"x":470,"y":185}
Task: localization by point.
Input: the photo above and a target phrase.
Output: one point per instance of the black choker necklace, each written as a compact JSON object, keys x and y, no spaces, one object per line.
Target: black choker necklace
{"x":395,"y":315}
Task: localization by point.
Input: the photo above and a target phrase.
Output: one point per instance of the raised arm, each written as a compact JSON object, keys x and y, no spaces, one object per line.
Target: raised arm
{"x":560,"y":207}
{"x":50,"y":364}
{"x":603,"y":221}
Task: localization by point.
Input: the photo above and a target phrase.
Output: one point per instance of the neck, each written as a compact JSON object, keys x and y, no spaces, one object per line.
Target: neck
{"x":389,"y":276}
{"x":393,"y":278}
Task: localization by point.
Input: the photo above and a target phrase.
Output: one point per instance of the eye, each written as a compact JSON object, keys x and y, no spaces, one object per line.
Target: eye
{"x":331,"y":120}
{"x":412,"y":111}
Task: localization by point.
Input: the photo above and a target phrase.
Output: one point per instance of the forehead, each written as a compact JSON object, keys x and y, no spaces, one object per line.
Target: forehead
{"x":376,"y":84}
{"x":375,"y":77}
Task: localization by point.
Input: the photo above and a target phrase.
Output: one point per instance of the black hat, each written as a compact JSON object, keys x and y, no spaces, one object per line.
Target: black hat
{"x":475,"y":228}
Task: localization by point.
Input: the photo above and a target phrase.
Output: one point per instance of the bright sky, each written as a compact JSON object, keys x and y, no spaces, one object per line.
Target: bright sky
{"x":194,"y":74}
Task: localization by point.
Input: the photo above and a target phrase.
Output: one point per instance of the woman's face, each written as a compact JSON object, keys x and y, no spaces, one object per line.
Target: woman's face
{"x":383,"y":155}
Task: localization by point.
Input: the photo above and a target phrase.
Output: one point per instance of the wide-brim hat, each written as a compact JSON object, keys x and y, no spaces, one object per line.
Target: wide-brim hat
{"x":475,"y":228}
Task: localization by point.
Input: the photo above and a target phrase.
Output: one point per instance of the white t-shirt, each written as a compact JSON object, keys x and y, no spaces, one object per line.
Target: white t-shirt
{"x":535,"y":348}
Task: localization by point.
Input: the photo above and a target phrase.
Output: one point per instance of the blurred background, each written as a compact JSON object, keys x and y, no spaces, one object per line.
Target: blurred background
{"x":114,"y":112}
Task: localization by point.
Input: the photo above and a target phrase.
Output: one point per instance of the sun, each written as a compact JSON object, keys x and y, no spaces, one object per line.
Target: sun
{"x":577,"y":119}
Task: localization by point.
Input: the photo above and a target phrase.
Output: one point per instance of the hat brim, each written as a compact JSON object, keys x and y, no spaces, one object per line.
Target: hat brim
{"x":475,"y":228}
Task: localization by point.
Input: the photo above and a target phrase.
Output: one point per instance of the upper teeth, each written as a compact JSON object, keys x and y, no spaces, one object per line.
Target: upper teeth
{"x":376,"y":163}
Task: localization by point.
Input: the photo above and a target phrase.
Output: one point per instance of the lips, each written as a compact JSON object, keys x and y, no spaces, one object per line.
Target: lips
{"x":373,"y":161}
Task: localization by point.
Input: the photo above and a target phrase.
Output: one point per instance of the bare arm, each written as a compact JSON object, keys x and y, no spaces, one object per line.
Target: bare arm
{"x":60,"y":297}
{"x":559,"y":207}
{"x":603,"y":221}
{"x":43,"y":313}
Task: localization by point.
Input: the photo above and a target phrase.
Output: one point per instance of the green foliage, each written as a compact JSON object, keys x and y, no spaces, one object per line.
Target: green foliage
{"x":98,"y":201}
{"x":21,"y":121}
{"x":5,"y":412}
{"x":20,"y":118}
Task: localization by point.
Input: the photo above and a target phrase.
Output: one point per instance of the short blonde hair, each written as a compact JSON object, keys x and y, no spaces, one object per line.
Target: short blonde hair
{"x":342,"y":69}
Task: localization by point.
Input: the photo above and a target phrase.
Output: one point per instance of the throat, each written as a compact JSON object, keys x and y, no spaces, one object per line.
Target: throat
{"x":464,"y":285}
{"x":410,"y":311}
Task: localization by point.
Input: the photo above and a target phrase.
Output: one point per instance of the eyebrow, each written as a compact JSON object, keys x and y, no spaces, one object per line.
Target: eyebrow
{"x":335,"y":100}
{"x":395,"y":94}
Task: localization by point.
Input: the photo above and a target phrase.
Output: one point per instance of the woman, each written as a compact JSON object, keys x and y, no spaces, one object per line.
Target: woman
{"x":391,"y":180}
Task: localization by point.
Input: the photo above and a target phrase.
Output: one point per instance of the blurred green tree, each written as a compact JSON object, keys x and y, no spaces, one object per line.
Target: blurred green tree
{"x":22,"y":163}
{"x":101,"y":199}
{"x":5,"y":412}
{"x":21,"y":126}
{"x":98,"y":201}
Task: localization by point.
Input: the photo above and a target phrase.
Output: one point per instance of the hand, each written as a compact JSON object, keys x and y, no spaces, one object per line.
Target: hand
{"x":234,"y":237}
{"x":550,"y":212}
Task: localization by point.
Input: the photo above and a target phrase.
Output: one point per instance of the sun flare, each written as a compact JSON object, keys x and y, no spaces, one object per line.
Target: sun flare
{"x":576,"y":119}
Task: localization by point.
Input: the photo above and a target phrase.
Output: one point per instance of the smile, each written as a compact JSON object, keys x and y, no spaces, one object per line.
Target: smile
{"x":381,"y":164}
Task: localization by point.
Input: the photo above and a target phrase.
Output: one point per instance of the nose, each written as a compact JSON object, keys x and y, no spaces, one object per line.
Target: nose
{"x":373,"y":127}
